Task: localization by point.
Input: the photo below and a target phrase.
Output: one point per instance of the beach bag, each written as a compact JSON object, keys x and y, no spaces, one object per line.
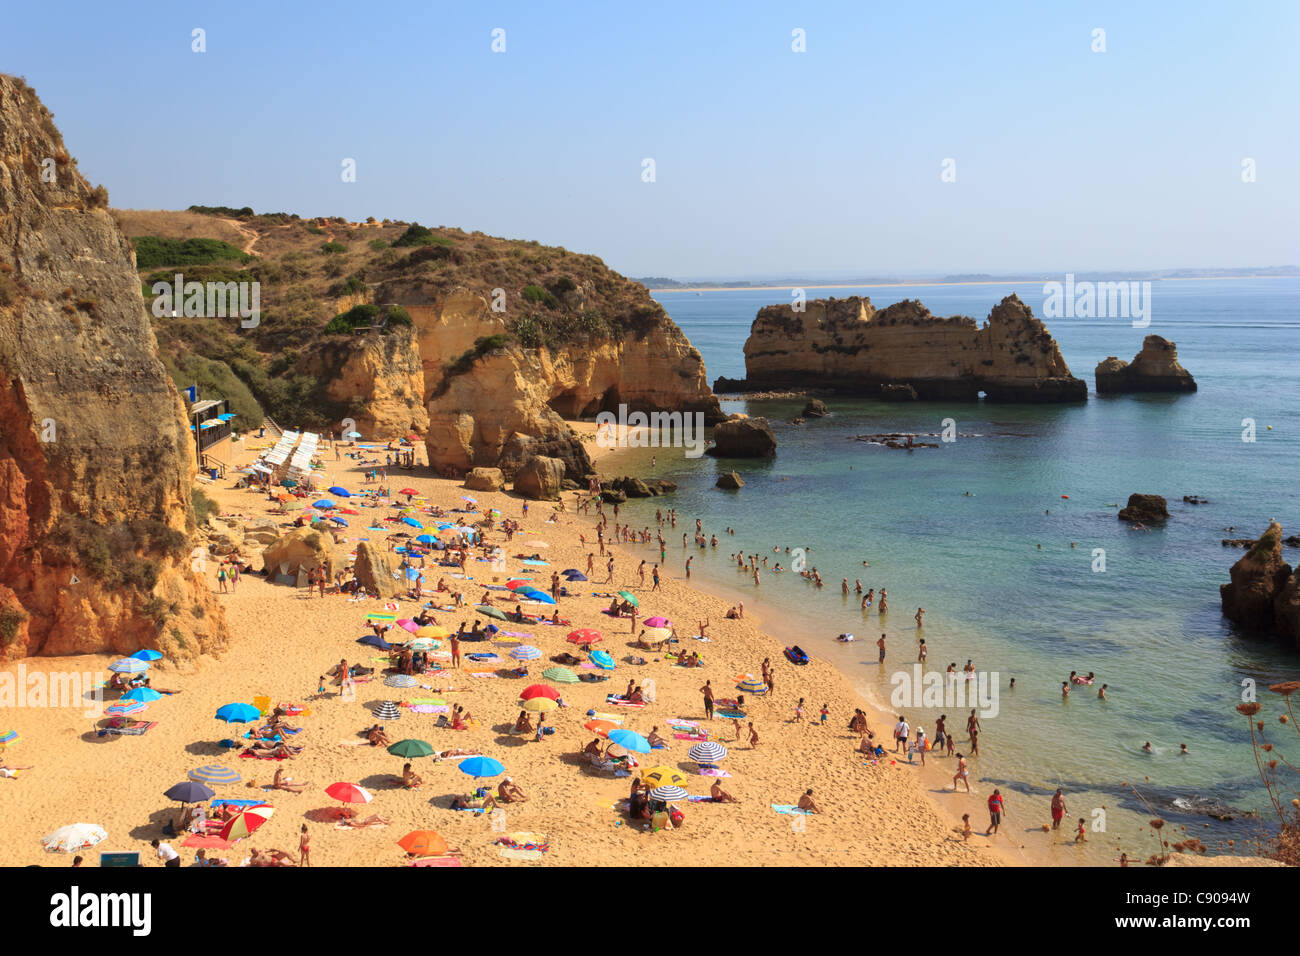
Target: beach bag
{"x":675,"y":816}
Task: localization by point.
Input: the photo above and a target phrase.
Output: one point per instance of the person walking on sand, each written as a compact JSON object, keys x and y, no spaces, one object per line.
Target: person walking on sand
{"x":304,"y":847}
{"x":455,"y":649}
{"x":798,"y":712}
{"x":753,"y":735}
{"x":221,"y":578}
{"x":996,"y":808}
{"x":707,"y":691}
{"x":901,"y":732}
{"x":962,"y":774}
{"x":1058,"y":809}
{"x":609,"y":570}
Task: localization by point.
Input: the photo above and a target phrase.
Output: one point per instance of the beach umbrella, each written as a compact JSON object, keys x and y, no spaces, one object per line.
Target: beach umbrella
{"x":400,"y":680}
{"x":407,"y":624}
{"x":662,"y":776}
{"x":577,"y":576}
{"x":423,"y":843}
{"x":434,"y":631}
{"x":342,"y":522}
{"x":517,"y":584}
{"x":290,"y":483}
{"x":388,"y":710}
{"x":489,"y":611}
{"x":412,"y":437}
{"x":426,"y":539}
{"x":584,"y":635}
{"x":129,"y":665}
{"x":349,"y":511}
{"x":602,"y":660}
{"x":658,"y":622}
{"x":561,"y":675}
{"x":9,"y":737}
{"x":374,"y":640}
{"x":341,"y":492}
{"x":570,"y":571}
{"x":657,"y":633}
{"x":538,"y":690}
{"x":352,"y":435}
{"x":324,"y":504}
{"x":408,"y":520}
{"x":539,"y":705}
{"x":472,"y":501}
{"x":411,"y":749}
{"x":245,"y":822}
{"x":526,"y":652}
{"x":538,"y":597}
{"x":601,"y":728}
{"x":282,"y":498}
{"x":668,"y":793}
{"x":630,"y":598}
{"x":292,"y":505}
{"x":124,"y":710}
{"x":630,"y":740}
{"x":189,"y":791}
{"x":482,"y":767}
{"x":752,"y":686}
{"x":144,"y":695}
{"x":238,"y":713}
{"x":74,"y":837}
{"x":214,"y":774}
{"x":408,"y":491}
{"x":148,"y":654}
{"x":348,"y":793}
{"x":707,"y":752}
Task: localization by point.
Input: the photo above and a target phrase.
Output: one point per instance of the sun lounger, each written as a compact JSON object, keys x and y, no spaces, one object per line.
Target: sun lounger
{"x":133,"y":730}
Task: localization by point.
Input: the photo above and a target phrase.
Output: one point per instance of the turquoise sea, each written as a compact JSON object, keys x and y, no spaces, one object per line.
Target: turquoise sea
{"x":1148,"y":625}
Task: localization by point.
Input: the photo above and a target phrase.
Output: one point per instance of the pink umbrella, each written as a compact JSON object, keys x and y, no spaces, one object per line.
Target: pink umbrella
{"x":407,"y":624}
{"x":657,"y":622}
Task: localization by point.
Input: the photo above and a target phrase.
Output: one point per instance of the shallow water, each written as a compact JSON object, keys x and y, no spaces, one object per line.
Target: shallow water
{"x":1148,"y":625}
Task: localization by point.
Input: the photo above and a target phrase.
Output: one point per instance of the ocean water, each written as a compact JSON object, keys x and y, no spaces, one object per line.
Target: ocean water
{"x":1007,"y":573}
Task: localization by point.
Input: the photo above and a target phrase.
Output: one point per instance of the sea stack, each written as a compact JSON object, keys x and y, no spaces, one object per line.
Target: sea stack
{"x":1154,"y":369}
{"x":849,"y":346}
{"x":1264,"y":595}
{"x":743,"y":437}
{"x":96,"y":458}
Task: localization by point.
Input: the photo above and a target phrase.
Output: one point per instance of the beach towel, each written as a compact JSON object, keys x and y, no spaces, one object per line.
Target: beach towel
{"x":228,"y":802}
{"x":341,"y":825}
{"x":429,"y":708}
{"x":206,"y":842}
{"x":698,"y":798}
{"x":133,"y":731}
{"x":437,"y":861}
{"x":731,"y":714}
{"x":690,"y":736}
{"x":616,"y":718}
{"x":682,"y":722}
{"x":616,"y":702}
{"x":790,"y":810}
{"x":714,"y":772}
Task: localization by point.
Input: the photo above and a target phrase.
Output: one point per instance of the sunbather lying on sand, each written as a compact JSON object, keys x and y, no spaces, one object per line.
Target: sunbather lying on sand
{"x":456,"y":752}
{"x":271,"y":858}
{"x":374,"y":820}
{"x":473,"y":803}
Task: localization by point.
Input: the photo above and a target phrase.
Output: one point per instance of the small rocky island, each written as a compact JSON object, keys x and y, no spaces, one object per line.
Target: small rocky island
{"x":1264,"y":595}
{"x":1154,"y":369}
{"x":904,"y":353}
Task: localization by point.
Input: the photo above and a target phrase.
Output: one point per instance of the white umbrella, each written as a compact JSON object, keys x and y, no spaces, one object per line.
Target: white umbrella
{"x":74,"y":837}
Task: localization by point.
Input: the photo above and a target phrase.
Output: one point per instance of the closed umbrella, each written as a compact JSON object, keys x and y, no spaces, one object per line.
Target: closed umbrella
{"x":663,"y":777}
{"x":214,"y":774}
{"x":411,"y":749}
{"x":630,"y":740}
{"x":482,"y":767}
{"x":561,"y":675}
{"x":189,"y":791}
{"x":246,"y":821}
{"x":74,"y":837}
{"x":707,"y":752}
{"x":388,"y":710}
{"x":668,"y":793}
{"x":423,"y":843}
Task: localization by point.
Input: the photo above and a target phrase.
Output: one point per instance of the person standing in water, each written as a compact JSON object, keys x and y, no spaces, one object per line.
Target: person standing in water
{"x":884,"y":606}
{"x":920,"y":613}
{"x":881,"y":644}
{"x":1058,"y":809}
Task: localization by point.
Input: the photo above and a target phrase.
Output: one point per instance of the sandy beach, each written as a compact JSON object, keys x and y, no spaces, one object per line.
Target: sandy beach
{"x":875,"y":813}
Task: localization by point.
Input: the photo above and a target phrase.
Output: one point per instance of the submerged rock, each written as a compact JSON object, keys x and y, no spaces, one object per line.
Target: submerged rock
{"x":730,"y":481}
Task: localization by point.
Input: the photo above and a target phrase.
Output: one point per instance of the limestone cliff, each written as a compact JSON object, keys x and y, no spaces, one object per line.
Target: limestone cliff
{"x":1154,"y":369}
{"x":377,"y":379}
{"x":850,"y":346}
{"x":96,"y":460}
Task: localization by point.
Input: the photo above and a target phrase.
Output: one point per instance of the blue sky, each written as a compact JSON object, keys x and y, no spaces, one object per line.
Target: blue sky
{"x":767,"y":161}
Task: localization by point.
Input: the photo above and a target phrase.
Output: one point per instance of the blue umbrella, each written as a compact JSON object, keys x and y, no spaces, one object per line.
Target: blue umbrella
{"x":337,"y":520}
{"x":408,"y":520}
{"x":341,"y":492}
{"x":324,"y":504}
{"x":482,"y":767}
{"x":426,"y":539}
{"x":147,"y":654}
{"x":189,"y":791}
{"x":143,"y":694}
{"x":526,"y":652}
{"x":129,"y":665}
{"x":570,"y":571}
{"x":576,"y":576}
{"x":602,"y":660}
{"x":374,"y":641}
{"x":539,"y":597}
{"x":630,"y":740}
{"x":238,"y":713}
{"x":214,"y":773}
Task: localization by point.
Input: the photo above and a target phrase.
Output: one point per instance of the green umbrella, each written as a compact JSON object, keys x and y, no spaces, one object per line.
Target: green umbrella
{"x":561,"y":675}
{"x":490,"y":611}
{"x":630,"y":598}
{"x":411,"y":749}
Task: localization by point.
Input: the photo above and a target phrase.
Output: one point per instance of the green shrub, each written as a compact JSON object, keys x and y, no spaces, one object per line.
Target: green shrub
{"x":11,"y":619}
{"x":203,"y":506}
{"x":399,"y":316}
{"x":153,"y":251}
{"x":333,"y":247}
{"x":354,"y":318}
{"x":228,"y":211}
{"x":418,"y":235}
{"x":378,"y":245}
{"x":535,"y":293}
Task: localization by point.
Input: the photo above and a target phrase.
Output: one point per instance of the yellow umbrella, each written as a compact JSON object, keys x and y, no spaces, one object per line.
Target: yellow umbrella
{"x":663,"y":777}
{"x":433,"y":631}
{"x":657,"y":633}
{"x":539,"y":705}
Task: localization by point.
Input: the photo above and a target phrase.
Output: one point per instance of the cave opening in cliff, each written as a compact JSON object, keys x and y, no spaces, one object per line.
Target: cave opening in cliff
{"x":571,"y":403}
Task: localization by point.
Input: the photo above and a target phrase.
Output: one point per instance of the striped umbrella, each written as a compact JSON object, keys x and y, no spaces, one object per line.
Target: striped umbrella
{"x":526,"y":652}
{"x":243,"y":824}
{"x":9,"y":737}
{"x":214,"y":774}
{"x":147,"y":654}
{"x":657,"y":633}
{"x":602,"y":660}
{"x":144,"y":695}
{"x":74,"y":837}
{"x":668,"y":793}
{"x":630,"y":740}
{"x":663,"y":777}
{"x":482,"y":767}
{"x":129,"y":665}
{"x":400,"y":680}
{"x":388,"y":710}
{"x":561,"y":675}
{"x":752,"y":686}
{"x":411,"y":749}
{"x":349,"y":793}
{"x":707,"y":752}
{"x":539,"y":690}
{"x":539,"y":705}
{"x":124,"y":710}
{"x":423,"y":644}
{"x":423,"y":843}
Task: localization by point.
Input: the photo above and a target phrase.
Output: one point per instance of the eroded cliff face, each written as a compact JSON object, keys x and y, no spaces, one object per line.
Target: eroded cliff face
{"x":478,"y":414}
{"x":1154,"y":369}
{"x":850,"y":346}
{"x":378,"y":378}
{"x":96,"y":460}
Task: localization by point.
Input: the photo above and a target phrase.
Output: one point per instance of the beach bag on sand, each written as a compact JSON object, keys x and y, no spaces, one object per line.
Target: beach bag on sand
{"x":675,"y":816}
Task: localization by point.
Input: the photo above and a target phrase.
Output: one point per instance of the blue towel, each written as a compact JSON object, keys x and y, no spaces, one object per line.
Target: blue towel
{"x":224,"y":801}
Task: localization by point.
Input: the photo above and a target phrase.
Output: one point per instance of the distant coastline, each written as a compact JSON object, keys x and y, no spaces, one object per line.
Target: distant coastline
{"x":961,"y":282}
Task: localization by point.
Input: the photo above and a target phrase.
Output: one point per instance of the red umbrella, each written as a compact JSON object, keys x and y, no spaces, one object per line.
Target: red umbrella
{"x":349,"y":511}
{"x":246,"y":821}
{"x":584,"y":635}
{"x":348,"y":793}
{"x":539,"y":690}
{"x":515,"y":585}
{"x":412,"y":437}
{"x":408,"y":491}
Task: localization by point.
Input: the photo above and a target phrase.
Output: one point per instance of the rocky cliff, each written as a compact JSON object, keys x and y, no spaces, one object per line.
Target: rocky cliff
{"x":1154,"y":369}
{"x":377,"y":380}
{"x":96,"y":460}
{"x":1263,"y":594}
{"x":850,"y":346}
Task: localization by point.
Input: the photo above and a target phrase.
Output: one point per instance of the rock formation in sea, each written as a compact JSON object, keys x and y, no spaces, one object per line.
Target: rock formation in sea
{"x":743,"y":437}
{"x":1263,"y":594}
{"x":1144,"y":508}
{"x":96,"y":458}
{"x":850,"y":346}
{"x":1154,"y":369}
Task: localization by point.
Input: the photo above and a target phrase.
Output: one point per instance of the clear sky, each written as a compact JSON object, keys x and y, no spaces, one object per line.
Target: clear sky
{"x":767,"y":161}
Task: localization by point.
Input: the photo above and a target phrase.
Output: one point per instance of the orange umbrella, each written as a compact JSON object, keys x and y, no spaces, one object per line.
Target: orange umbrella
{"x":601,"y":728}
{"x":583,"y":635}
{"x":423,"y":843}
